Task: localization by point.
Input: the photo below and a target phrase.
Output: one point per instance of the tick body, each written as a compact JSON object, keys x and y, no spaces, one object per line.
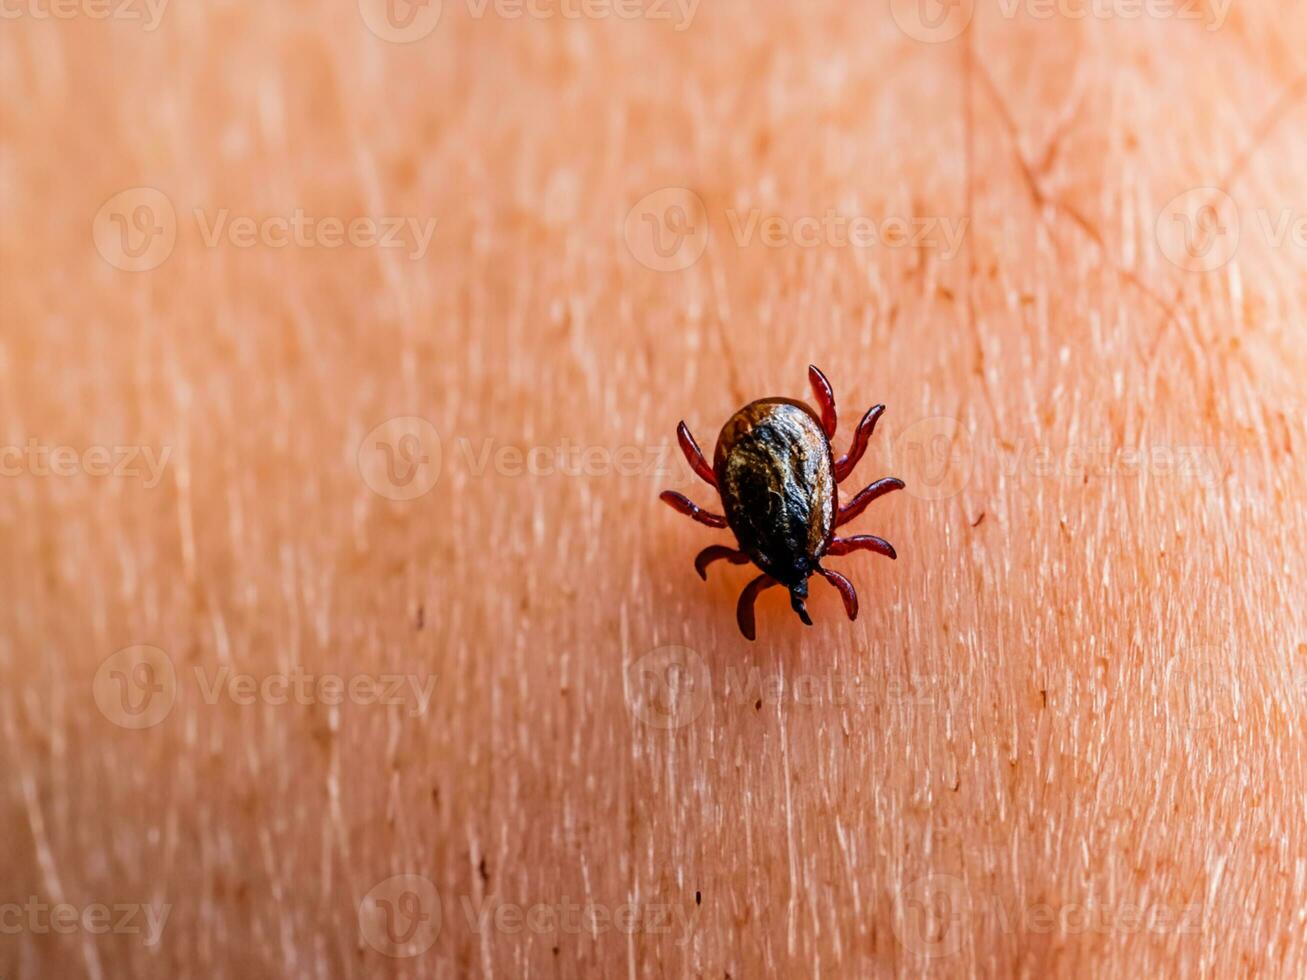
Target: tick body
{"x":779,"y":485}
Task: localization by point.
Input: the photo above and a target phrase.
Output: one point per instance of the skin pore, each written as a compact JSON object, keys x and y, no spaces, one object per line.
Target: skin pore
{"x":1065,"y":735}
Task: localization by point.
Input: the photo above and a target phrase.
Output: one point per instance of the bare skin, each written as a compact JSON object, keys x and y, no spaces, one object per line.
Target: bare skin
{"x":1064,"y":736}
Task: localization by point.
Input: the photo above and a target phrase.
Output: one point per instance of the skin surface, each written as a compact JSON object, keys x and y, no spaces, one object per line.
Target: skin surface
{"x":1065,"y":737}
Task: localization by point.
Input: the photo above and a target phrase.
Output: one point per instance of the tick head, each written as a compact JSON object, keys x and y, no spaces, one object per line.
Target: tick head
{"x":797,"y":594}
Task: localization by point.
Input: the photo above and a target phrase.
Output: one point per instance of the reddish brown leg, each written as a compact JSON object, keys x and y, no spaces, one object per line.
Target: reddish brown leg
{"x":690,"y":509}
{"x":693,"y":456}
{"x":864,"y":498}
{"x":717,"y":552}
{"x":861,"y":542}
{"x":847,"y":592}
{"x":845,"y":464}
{"x":744,"y":610}
{"x":825,"y":400}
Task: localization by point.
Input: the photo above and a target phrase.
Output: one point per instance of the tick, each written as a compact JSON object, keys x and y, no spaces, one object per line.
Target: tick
{"x":778,"y":480}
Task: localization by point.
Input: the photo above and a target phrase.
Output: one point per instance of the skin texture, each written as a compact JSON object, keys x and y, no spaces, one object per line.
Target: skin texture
{"x":1064,"y":738}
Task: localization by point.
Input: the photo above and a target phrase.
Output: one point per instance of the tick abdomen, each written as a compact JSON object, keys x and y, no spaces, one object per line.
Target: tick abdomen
{"x":777,"y":481}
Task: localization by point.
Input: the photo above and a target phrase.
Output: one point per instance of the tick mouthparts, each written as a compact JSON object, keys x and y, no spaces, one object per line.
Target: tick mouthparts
{"x":796,"y":604}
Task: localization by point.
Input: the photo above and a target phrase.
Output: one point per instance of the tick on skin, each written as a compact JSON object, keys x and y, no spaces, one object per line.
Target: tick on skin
{"x":778,"y":480}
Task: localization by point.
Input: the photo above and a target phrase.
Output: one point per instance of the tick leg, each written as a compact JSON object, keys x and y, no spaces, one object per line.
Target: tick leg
{"x":825,"y":400}
{"x":864,"y":498}
{"x":678,"y":501}
{"x":717,"y":552}
{"x":861,"y":542}
{"x":797,"y":605}
{"x":744,"y":610}
{"x":847,"y":592}
{"x":694,"y":456}
{"x":845,"y":464}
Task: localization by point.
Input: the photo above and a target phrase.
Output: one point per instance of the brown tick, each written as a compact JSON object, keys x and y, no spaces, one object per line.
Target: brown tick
{"x":778,"y":481}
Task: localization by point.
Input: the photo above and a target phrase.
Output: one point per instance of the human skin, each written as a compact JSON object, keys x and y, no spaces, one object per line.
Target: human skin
{"x":1063,"y":738}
